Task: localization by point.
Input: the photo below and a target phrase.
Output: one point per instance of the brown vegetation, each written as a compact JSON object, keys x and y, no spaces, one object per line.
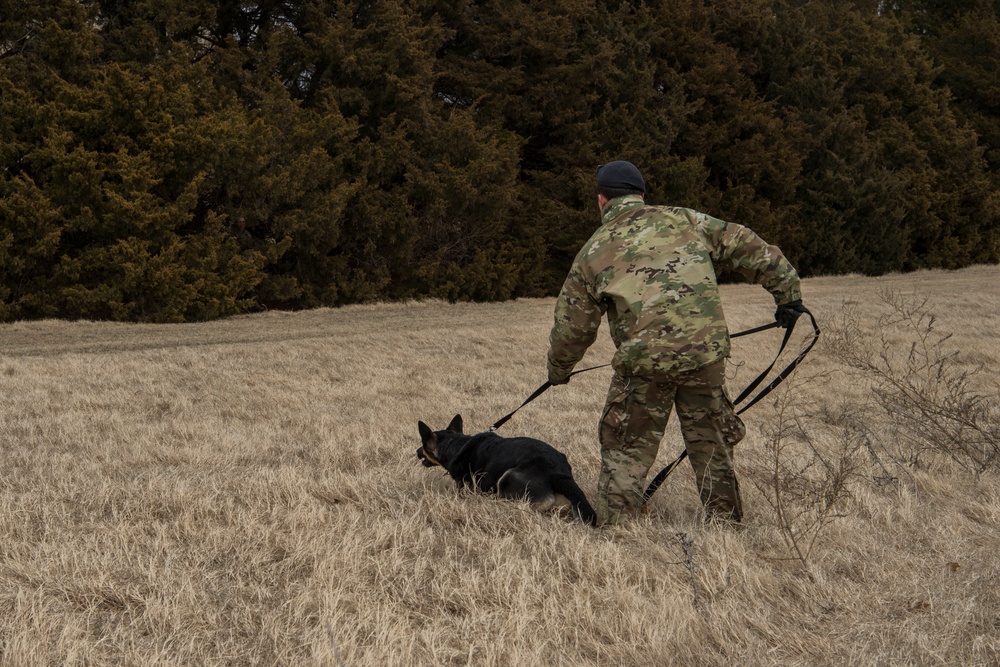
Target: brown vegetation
{"x":246,"y":492}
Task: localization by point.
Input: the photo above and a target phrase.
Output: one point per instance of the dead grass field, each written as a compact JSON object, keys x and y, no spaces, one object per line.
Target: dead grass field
{"x":245,"y":492}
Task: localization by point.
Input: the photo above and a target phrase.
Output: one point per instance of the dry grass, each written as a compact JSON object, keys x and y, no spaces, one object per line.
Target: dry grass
{"x":245,"y":492}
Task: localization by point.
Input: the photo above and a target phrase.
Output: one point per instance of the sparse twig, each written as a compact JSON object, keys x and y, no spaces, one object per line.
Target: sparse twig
{"x":930,"y":402}
{"x":686,"y":544}
{"x":806,"y":486}
{"x":723,"y":589}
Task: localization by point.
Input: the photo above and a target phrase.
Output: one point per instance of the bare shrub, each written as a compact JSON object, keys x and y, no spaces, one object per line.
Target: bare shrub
{"x":911,"y":402}
{"x":929,"y":399}
{"x":804,"y":471}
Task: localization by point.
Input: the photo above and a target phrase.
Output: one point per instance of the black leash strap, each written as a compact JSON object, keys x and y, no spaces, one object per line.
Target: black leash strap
{"x":662,"y":475}
{"x":538,"y":392}
{"x":783,"y":374}
{"x":760,"y":378}
{"x":763,"y":327}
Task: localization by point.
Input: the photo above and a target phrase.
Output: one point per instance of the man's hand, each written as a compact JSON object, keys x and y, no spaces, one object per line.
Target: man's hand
{"x":554,"y":382}
{"x":787,"y":313}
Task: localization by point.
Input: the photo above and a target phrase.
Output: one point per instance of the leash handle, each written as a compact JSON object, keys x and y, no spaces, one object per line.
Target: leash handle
{"x":760,"y":378}
{"x":538,"y":392}
{"x":783,"y":374}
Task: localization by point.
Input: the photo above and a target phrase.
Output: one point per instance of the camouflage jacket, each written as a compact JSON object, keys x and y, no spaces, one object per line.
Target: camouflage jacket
{"x":652,"y":270}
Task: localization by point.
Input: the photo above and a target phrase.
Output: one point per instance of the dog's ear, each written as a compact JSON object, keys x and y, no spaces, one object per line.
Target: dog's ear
{"x":426,"y":434}
{"x":456,"y":424}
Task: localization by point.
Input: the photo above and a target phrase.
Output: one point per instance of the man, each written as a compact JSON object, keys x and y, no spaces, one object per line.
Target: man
{"x":651,"y":270}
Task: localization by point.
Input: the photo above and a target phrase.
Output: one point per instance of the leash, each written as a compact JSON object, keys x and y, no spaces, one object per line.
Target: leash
{"x":538,"y":392}
{"x":662,"y":475}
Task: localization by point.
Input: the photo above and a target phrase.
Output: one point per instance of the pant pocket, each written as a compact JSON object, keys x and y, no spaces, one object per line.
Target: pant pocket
{"x":614,"y":418}
{"x":733,"y":428}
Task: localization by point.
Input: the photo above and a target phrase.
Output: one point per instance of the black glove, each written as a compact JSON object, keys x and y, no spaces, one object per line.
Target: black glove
{"x":787,"y":313}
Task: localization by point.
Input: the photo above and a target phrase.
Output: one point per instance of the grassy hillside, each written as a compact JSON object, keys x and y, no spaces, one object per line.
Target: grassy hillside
{"x":245,"y":492}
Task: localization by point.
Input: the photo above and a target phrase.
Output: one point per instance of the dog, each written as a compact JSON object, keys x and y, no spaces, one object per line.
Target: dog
{"x":515,"y":468}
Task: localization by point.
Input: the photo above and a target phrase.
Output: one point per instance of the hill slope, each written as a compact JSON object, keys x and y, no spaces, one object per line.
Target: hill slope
{"x":246,"y":492}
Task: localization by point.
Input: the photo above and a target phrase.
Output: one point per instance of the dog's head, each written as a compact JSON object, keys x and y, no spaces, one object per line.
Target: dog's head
{"x":428,"y":452}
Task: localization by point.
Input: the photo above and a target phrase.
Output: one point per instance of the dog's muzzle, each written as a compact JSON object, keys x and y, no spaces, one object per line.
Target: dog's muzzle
{"x":426,"y":460}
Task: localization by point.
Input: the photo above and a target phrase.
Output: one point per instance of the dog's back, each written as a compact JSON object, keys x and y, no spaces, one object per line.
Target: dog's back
{"x":511,"y":467}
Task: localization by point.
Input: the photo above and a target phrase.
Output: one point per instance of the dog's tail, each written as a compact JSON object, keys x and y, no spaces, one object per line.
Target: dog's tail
{"x":582,"y":510}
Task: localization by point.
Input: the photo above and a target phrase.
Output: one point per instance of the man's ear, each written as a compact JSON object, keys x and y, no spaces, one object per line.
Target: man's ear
{"x":426,"y":434}
{"x":456,"y":424}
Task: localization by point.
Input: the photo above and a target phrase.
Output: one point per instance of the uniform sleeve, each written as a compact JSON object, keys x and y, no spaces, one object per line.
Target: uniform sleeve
{"x":739,"y":249}
{"x":577,"y":319}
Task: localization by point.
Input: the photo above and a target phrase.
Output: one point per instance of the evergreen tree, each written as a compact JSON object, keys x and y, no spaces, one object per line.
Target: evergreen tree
{"x":963,"y":38}
{"x":647,"y":82}
{"x":98,"y":223}
{"x":171,"y":160}
{"x":430,"y":215}
{"x":892,"y":179}
{"x":748,"y":145}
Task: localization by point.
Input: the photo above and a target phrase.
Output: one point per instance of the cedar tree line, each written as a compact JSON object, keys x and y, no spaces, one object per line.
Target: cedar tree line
{"x":181,"y":160}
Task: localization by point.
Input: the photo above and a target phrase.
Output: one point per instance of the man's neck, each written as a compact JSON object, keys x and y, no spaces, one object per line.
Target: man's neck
{"x":619,"y":205}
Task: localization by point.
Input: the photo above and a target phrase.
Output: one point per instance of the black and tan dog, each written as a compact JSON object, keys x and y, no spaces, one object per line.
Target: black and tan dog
{"x":514,"y":468}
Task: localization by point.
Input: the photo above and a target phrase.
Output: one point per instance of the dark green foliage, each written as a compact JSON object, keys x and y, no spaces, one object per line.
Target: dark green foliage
{"x":172,"y":160}
{"x":101,"y":196}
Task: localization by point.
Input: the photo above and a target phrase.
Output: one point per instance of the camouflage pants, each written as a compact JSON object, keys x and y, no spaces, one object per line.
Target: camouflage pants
{"x":632,"y":425}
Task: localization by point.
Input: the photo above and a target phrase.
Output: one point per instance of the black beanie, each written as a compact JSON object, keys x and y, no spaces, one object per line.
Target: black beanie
{"x":620,"y":175}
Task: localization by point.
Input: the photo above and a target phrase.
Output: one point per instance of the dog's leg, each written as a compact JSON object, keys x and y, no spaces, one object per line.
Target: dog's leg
{"x":548,"y":502}
{"x":513,"y":485}
{"x":521,"y":486}
{"x":574,"y":495}
{"x":561,"y":502}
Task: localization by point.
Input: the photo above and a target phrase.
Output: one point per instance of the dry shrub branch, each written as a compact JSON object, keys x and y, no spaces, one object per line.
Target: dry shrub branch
{"x":931,"y":404}
{"x":804,"y":471}
{"x":916,"y":404}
